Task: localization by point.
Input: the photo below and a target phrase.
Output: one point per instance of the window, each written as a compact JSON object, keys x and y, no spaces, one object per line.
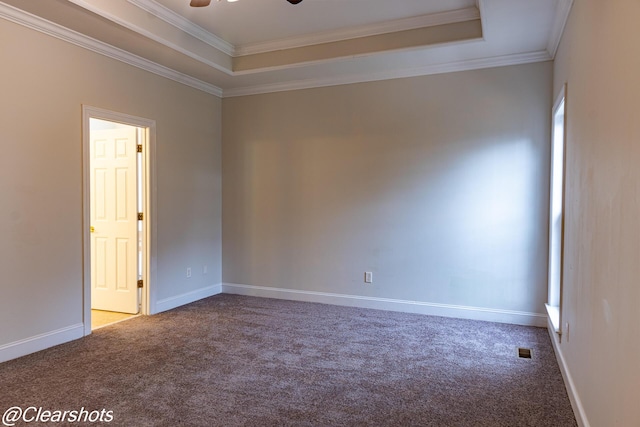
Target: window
{"x":556,"y":210}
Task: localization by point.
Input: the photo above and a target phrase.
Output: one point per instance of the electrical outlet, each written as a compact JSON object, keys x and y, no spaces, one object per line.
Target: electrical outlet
{"x":566,"y":331}
{"x":204,"y":270}
{"x":368,"y":277}
{"x":188,"y":272}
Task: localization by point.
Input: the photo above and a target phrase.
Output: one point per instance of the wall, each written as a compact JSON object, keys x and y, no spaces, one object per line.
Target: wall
{"x":599,"y":351}
{"x":44,"y":82}
{"x":436,"y":184}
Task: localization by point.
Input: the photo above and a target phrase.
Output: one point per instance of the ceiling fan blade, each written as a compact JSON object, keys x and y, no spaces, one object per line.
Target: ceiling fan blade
{"x":200,"y":3}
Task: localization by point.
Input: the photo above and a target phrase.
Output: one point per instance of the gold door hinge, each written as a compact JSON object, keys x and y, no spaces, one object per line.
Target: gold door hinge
{"x":140,"y":216}
{"x":140,"y":283}
{"x":139,"y":148}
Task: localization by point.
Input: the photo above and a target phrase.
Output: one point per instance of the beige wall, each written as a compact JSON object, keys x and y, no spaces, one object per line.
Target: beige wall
{"x":599,"y":62}
{"x":44,"y":82}
{"x":436,"y":184}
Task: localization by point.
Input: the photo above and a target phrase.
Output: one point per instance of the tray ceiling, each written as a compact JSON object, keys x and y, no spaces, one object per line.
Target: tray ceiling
{"x":256,"y":46}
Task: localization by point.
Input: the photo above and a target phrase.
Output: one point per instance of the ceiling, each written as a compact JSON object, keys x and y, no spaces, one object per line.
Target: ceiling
{"x":259,"y":46}
{"x":248,"y":22}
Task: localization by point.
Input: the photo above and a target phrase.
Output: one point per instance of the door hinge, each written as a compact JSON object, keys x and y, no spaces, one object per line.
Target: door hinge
{"x":140,"y":283}
{"x":139,"y":148}
{"x":140,"y":216}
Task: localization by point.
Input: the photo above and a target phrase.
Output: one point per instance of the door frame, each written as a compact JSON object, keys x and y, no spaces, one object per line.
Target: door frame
{"x":149,"y":268}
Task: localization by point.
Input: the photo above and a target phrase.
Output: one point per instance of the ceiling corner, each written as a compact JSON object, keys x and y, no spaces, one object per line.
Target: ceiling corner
{"x":178,"y":21}
{"x":563,"y":9}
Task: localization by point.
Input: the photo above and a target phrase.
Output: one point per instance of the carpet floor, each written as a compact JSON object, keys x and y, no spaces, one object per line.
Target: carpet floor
{"x":241,"y":361}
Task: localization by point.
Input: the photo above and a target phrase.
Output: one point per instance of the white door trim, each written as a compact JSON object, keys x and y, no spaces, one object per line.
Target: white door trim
{"x":150,"y":268}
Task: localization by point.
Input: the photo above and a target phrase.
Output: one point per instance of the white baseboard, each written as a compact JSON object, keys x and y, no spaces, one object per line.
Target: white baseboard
{"x":40,"y":342}
{"x":576,"y":403}
{"x":186,"y":298}
{"x":445,"y":310}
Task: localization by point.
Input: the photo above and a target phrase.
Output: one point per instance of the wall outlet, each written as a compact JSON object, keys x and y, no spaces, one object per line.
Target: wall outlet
{"x":204,"y":270}
{"x":188,"y":272}
{"x":566,"y":331}
{"x":368,"y":277}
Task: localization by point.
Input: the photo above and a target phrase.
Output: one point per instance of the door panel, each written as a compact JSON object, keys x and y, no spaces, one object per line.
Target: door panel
{"x":99,"y":255}
{"x":114,"y":219}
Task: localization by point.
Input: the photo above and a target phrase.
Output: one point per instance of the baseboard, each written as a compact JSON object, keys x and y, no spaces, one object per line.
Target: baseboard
{"x":576,"y":403}
{"x":40,"y":342}
{"x":186,"y":298}
{"x":445,"y":310}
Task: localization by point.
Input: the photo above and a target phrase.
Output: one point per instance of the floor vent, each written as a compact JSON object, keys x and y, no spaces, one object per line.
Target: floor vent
{"x":524,"y":353}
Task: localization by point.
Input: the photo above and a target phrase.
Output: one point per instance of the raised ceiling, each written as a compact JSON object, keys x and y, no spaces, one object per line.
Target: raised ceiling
{"x":249,"y":22}
{"x":257,"y":46}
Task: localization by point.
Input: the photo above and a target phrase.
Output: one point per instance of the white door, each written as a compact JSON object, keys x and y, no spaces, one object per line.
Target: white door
{"x":114,"y":220}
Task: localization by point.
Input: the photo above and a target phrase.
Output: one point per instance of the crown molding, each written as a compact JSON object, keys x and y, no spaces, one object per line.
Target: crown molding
{"x":563,"y":9}
{"x":150,"y":35}
{"x":347,"y":57}
{"x":431,"y":20}
{"x":473,"y":64}
{"x":184,"y":24}
{"x":44,"y":26}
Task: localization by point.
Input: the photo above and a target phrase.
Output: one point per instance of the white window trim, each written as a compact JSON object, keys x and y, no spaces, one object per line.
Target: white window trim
{"x":554,"y":305}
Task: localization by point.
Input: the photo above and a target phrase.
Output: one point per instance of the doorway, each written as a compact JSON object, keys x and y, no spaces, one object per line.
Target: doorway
{"x":116,"y":216}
